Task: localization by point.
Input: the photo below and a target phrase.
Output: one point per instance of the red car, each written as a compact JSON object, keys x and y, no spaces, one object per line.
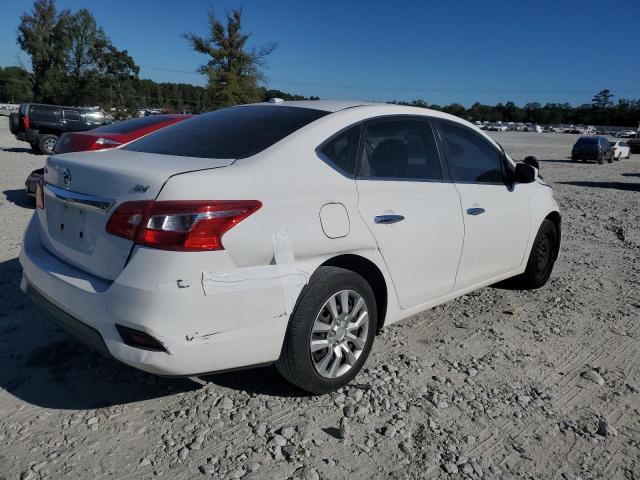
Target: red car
{"x":108,"y":136}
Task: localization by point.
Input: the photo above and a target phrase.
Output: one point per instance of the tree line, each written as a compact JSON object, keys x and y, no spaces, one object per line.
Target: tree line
{"x":73,"y":62}
{"x":601,"y":111}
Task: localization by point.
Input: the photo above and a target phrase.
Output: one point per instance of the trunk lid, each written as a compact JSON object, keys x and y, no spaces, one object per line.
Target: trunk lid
{"x":83,"y":189}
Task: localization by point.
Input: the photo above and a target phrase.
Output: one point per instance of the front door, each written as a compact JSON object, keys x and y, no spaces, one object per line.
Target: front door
{"x":496,"y":215}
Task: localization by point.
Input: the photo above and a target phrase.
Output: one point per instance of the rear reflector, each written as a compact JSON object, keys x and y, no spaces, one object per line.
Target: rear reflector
{"x":139,"y":339}
{"x":185,"y":225}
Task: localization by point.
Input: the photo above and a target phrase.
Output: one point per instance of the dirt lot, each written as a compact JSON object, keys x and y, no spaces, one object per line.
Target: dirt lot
{"x":550,"y":389}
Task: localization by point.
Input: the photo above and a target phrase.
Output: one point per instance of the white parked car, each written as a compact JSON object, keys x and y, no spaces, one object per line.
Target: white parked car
{"x":288,"y":232}
{"x":620,"y":150}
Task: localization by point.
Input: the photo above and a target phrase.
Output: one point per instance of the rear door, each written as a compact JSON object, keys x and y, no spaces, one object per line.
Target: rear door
{"x":412,"y":210}
{"x":44,"y":116}
{"x":71,"y":120}
{"x":496,"y":215}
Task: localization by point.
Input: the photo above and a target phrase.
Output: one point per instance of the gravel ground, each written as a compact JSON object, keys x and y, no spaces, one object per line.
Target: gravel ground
{"x":497,"y":384}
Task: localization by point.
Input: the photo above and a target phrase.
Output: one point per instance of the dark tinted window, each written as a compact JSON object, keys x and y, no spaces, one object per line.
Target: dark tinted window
{"x":235,"y":132}
{"x":343,"y":150}
{"x":45,"y":113}
{"x":470,"y":158}
{"x":128,"y":126}
{"x":403,"y":149}
{"x":72,"y":115}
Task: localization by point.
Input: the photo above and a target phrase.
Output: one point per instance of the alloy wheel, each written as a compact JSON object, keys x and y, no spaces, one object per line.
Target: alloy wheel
{"x":339,"y":334}
{"x":49,"y":145}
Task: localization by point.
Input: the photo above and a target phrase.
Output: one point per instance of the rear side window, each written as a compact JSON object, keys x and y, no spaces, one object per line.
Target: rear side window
{"x":399,"y":149}
{"x":235,"y":132}
{"x":72,"y":115}
{"x":470,"y":158}
{"x":39,"y":112}
{"x":128,"y":126}
{"x":342,"y":151}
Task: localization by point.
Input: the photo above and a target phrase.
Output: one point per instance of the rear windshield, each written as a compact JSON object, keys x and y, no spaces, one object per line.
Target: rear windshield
{"x":588,"y":141}
{"x":234,"y":132}
{"x":128,"y":126}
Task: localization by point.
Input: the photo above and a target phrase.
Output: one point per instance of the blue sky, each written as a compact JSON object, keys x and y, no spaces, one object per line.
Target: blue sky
{"x":442,"y":51}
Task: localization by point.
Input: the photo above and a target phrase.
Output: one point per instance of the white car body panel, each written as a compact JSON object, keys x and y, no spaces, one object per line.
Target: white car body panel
{"x":496,"y":239}
{"x":217,"y":310}
{"x":620,"y":149}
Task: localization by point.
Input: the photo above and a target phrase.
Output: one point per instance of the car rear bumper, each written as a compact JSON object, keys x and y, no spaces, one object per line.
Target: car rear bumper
{"x":203,"y":328}
{"x":80,"y":331}
{"x":588,"y":155}
{"x":28,"y":135}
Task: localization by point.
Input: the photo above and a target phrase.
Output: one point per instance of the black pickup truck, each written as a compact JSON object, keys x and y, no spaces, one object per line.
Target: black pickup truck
{"x":41,"y":125}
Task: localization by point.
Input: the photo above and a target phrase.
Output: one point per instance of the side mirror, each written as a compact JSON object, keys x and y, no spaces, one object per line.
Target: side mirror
{"x":533,"y":161}
{"x":525,"y":173}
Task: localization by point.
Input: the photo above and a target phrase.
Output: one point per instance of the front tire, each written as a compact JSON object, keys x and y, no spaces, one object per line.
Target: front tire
{"x":541,"y":259}
{"x":331,"y":331}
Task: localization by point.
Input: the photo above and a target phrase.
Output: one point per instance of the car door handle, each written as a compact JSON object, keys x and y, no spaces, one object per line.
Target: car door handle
{"x":388,"y":218}
{"x":475,"y":211}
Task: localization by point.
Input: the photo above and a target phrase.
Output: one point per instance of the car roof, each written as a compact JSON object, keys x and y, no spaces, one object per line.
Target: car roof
{"x":324,"y":105}
{"x":333,"y":106}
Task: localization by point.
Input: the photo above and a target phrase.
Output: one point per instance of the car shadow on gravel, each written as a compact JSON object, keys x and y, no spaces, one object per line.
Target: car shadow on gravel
{"x":631,"y":174}
{"x":259,"y":381}
{"x":554,"y":160}
{"x":43,"y":366}
{"x":18,"y":150}
{"x":629,"y":187}
{"x":20,"y":198}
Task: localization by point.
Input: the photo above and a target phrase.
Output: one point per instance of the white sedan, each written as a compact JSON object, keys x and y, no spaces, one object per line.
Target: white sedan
{"x":286,"y":232}
{"x":620,"y":150}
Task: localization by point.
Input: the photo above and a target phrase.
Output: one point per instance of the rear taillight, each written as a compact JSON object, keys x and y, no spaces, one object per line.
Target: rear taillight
{"x":187,"y":225}
{"x":27,"y":122}
{"x":106,"y":143}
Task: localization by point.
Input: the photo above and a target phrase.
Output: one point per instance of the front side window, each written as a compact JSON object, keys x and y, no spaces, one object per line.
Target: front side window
{"x":470,"y":158}
{"x":399,"y":149}
{"x":342,"y":151}
{"x":234,"y":132}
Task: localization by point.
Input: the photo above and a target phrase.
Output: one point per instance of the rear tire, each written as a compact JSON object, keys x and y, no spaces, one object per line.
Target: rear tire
{"x":14,"y":122}
{"x":541,"y":259}
{"x":601,"y":160}
{"x":321,"y":369}
{"x":47,"y":143}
